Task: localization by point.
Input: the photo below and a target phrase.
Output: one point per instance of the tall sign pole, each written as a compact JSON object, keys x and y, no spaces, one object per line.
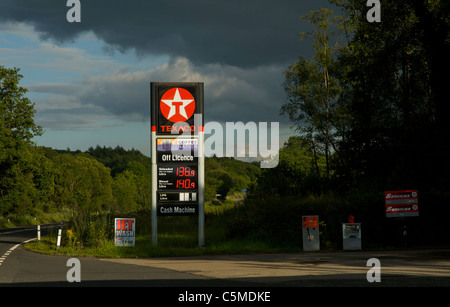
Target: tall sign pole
{"x":201,"y":188}
{"x":154,"y":177}
{"x":177,"y":137}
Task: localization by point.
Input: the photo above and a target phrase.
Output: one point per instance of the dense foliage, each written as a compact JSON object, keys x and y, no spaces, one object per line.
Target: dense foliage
{"x":36,"y":179}
{"x":85,"y":188}
{"x":370,"y":108}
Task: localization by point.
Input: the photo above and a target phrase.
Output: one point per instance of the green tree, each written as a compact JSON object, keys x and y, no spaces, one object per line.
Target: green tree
{"x":118,"y":158}
{"x":311,"y":88}
{"x":218,"y":182}
{"x":142,"y":180}
{"x":17,"y":128}
{"x":83,"y":183}
{"x":227,"y":176}
{"x":16,"y":110}
{"x":125,"y":192}
{"x":16,"y":181}
{"x":298,"y":172}
{"x":389,"y":72}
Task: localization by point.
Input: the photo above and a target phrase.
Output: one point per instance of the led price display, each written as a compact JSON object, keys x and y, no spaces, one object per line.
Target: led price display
{"x":185,"y":171}
{"x":177,"y":177}
{"x":185,"y":184}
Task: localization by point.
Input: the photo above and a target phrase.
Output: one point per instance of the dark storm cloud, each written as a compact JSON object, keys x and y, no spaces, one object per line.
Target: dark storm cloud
{"x":231,"y":93}
{"x":238,"y":48}
{"x":232,"y":32}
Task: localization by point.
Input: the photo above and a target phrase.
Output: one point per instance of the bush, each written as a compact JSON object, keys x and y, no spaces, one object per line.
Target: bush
{"x":278,"y":222}
{"x":88,"y":230}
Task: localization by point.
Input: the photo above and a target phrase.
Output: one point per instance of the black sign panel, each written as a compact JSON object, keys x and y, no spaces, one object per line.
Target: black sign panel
{"x":190,"y":196}
{"x":177,"y":209}
{"x":176,"y":103}
{"x":177,"y":192}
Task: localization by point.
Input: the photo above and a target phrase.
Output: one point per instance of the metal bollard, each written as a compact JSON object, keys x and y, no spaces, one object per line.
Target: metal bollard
{"x":58,"y":241}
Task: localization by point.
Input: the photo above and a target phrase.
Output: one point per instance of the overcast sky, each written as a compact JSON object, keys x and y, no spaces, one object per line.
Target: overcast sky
{"x":90,"y":80}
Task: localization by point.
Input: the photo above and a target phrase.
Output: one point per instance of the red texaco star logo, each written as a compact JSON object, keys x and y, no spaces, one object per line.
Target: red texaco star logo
{"x":177,"y":104}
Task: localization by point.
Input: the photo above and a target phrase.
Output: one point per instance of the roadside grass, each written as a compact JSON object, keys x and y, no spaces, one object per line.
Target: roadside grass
{"x":272,"y":225}
{"x":177,"y":237}
{"x":169,"y":245}
{"x":231,"y":227}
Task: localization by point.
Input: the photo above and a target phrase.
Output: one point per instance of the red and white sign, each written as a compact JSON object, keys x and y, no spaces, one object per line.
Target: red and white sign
{"x":124,"y":231}
{"x":177,"y":104}
{"x":401,"y":203}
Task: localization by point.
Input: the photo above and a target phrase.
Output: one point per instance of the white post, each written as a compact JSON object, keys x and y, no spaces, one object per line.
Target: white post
{"x":39,"y":232}
{"x":154,"y":188}
{"x":58,"y":242}
{"x":201,"y":190}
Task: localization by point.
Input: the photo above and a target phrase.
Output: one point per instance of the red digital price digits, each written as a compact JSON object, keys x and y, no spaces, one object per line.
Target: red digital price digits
{"x":185,"y":184}
{"x":185,"y":172}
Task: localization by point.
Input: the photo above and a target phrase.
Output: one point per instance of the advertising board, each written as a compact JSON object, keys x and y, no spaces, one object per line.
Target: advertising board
{"x":177,"y":140}
{"x":401,"y":203}
{"x":124,"y":231}
{"x":177,"y":102}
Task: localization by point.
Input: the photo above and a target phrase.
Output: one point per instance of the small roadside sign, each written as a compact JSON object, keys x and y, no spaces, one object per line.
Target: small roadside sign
{"x":124,"y":231}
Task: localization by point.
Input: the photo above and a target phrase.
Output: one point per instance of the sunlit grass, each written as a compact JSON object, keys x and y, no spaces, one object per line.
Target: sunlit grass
{"x":178,"y":238}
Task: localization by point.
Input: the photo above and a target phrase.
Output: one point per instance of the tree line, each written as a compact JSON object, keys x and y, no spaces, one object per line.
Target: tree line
{"x":372,"y":102}
{"x":371,"y":111}
{"x":36,"y":179}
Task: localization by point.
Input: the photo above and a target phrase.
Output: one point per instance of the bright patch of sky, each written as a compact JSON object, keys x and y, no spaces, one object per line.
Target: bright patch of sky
{"x":87,"y":93}
{"x":60,"y":68}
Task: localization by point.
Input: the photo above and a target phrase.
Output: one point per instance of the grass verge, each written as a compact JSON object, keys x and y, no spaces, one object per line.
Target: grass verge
{"x":165,"y":248}
{"x":177,"y":237}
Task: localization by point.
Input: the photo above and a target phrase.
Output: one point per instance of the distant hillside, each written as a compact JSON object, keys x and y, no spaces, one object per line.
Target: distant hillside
{"x":118,"y":158}
{"x":226,"y":176}
{"x":222,"y":175}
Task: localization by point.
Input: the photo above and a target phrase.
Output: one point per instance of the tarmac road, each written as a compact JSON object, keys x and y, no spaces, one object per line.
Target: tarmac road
{"x":419,"y":268}
{"x":20,"y":267}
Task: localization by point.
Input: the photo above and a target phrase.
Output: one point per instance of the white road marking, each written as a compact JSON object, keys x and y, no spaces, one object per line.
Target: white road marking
{"x":9,"y":251}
